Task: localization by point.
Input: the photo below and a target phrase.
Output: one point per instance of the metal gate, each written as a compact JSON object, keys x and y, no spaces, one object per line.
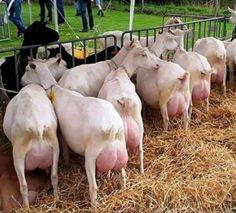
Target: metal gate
{"x":207,"y":27}
{"x":215,"y":27}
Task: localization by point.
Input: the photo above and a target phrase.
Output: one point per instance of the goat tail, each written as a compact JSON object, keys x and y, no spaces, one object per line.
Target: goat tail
{"x":40,"y":132}
{"x":184,"y":78}
{"x":184,"y":81}
{"x":112,"y":133}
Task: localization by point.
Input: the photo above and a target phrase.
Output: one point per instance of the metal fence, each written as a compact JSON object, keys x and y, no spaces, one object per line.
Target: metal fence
{"x":87,"y":45}
{"x":206,"y":27}
{"x":200,"y":28}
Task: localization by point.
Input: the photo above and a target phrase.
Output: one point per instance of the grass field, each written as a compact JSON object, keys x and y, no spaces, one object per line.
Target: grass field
{"x":113,"y":20}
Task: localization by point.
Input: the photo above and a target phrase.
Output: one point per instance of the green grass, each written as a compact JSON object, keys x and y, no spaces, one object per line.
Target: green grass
{"x":113,"y":20}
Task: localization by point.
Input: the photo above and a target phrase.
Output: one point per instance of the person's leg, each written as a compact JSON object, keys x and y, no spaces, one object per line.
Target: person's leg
{"x":11,"y":16}
{"x":18,"y":16}
{"x":42,"y":10}
{"x":82,"y":7}
{"x":76,"y":3}
{"x":49,"y":8}
{"x":90,"y":14}
{"x":15,"y":16}
{"x":60,"y":11}
{"x":99,"y":4}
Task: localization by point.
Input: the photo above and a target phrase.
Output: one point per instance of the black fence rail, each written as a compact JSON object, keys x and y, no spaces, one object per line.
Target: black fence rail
{"x":207,"y":27}
{"x":85,"y":46}
{"x":215,"y":27}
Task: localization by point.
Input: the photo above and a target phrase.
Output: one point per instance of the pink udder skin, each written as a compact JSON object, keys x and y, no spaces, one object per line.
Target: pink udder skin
{"x":201,"y":91}
{"x":40,"y":156}
{"x":176,"y":105}
{"x":132,"y":134}
{"x":112,"y":157}
{"x":218,"y":74}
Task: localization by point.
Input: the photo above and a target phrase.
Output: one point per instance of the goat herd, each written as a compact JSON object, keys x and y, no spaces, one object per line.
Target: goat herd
{"x":95,"y":111}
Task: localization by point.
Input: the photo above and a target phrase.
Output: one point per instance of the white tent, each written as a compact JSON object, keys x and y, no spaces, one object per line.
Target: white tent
{"x":131,"y":14}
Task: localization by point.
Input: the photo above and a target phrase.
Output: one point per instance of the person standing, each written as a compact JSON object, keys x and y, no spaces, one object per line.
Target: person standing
{"x":15,"y":17}
{"x":83,"y":6}
{"x":60,"y":12}
{"x":48,"y":4}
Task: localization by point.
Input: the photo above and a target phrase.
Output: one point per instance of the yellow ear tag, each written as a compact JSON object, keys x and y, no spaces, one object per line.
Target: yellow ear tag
{"x":51,"y":96}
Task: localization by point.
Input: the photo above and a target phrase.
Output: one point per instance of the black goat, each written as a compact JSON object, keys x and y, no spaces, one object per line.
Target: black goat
{"x":68,"y":58}
{"x":233,"y":34}
{"x":36,"y":33}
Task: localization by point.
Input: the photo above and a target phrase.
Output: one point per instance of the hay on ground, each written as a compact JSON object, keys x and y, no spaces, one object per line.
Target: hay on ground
{"x":185,"y":171}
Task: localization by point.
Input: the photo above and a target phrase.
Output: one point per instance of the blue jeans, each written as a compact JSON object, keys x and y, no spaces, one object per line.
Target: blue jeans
{"x":15,"y":15}
{"x":77,"y":6}
{"x":99,"y":2}
{"x":60,"y":11}
{"x":83,"y":6}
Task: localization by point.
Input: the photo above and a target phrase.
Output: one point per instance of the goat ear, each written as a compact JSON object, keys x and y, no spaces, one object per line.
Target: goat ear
{"x":58,"y":55}
{"x":232,"y":11}
{"x":59,"y":58}
{"x":32,"y":65}
{"x":30,"y":58}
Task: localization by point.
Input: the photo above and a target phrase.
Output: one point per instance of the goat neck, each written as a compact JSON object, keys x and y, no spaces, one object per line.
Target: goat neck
{"x":128,"y":68}
{"x":120,"y":56}
{"x":124,"y":71}
{"x":46,"y":78}
{"x":158,"y":47}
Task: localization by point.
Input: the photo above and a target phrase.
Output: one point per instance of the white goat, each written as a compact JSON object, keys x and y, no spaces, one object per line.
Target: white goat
{"x":88,"y":79}
{"x":31,"y":125}
{"x":145,"y":41}
{"x":56,"y":65}
{"x":167,"y":88}
{"x":233,"y":15}
{"x":91,"y":127}
{"x":214,"y":50}
{"x":120,"y":91}
{"x":231,"y":59}
{"x":199,"y":69}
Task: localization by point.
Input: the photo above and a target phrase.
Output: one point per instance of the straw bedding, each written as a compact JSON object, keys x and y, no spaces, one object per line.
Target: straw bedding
{"x":185,"y":171}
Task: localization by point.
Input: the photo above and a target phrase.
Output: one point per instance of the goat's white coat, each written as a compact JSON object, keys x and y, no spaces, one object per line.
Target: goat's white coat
{"x":156,"y":88}
{"x":87,"y":124}
{"x":88,"y":79}
{"x":197,"y":65}
{"x":145,"y":42}
{"x":233,"y":15}
{"x":30,"y":123}
{"x":120,"y":91}
{"x":231,"y":58}
{"x":215,"y":52}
